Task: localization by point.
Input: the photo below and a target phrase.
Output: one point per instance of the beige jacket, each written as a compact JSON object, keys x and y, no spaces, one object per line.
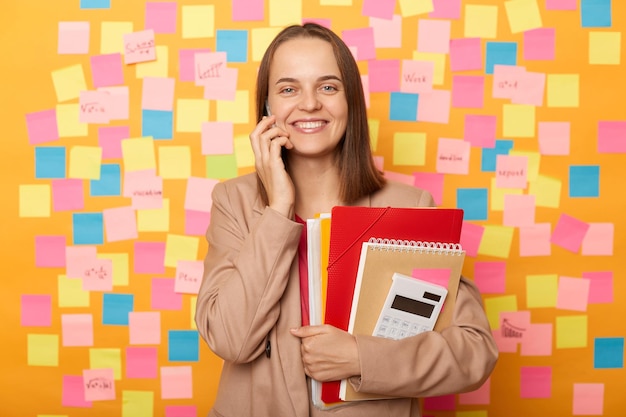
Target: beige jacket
{"x":250,"y":298}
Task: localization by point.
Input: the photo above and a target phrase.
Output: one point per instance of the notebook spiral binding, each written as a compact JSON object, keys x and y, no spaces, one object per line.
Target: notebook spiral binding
{"x":438,"y":248}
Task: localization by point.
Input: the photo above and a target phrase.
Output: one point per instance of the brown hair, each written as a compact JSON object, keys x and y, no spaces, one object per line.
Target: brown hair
{"x":358,"y":173}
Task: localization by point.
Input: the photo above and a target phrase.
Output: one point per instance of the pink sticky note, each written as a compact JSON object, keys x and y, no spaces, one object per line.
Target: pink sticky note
{"x":511,"y":171}
{"x":387,"y":32}
{"x":198,"y":193}
{"x":434,"y":106}
{"x":440,"y":403}
{"x":446,"y":9}
{"x":453,"y":156}
{"x":539,"y":44}
{"x":245,"y":10}
{"x":36,"y":310}
{"x":480,"y":130}
{"x":188,"y":276}
{"x":176,"y":382}
{"x":569,"y":233}
{"x":119,"y":102}
{"x":78,"y":259}
{"x":142,"y":362}
{"x":149,"y":258}
{"x":110,"y":140}
{"x":157,"y":93}
{"x":163,"y":295}
{"x":208,"y":65}
{"x":42,"y":127}
{"x":74,"y":392}
{"x":599,"y":240}
{"x":139,"y":184}
{"x":481,"y":396}
{"x":433,"y":36}
{"x":180,"y":411}
{"x":223,"y":87}
{"x":505,"y":344}
{"x":417,"y":76}
{"x":98,"y":276}
{"x":382,"y":9}
{"x":536,"y":382}
{"x":384,"y":75}
{"x":196,"y":222}
{"x":531,"y":89}
{"x":506,"y":80}
{"x":379,"y":162}
{"x":535,"y":240}
{"x":588,"y":400}
{"x":437,"y":276}
{"x":600,"y":286}
{"x":490,"y":277}
{"x":120,"y":223}
{"x":139,"y":47}
{"x":468,"y":91}
{"x":217,"y":138}
{"x":186,"y":63}
{"x":144,"y":327}
{"x":519,"y":210}
{"x":365,"y":82}
{"x":554,"y":138}
{"x":161,"y":17}
{"x":471,"y":236}
{"x":573,"y":294}
{"x":431,"y":182}
{"x":612,"y":136}
{"x":514,"y":324}
{"x":107,"y":70}
{"x":466,"y":54}
{"x":561,"y":4}
{"x":363,"y":40}
{"x":537,"y":340}
{"x":77,"y":329}
{"x":73,"y":38}
{"x":94,"y":107}
{"x":99,"y":384}
{"x":50,"y":251}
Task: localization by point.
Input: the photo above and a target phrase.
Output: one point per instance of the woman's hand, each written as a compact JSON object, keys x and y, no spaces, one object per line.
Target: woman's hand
{"x":328,"y":353}
{"x":267,"y":140}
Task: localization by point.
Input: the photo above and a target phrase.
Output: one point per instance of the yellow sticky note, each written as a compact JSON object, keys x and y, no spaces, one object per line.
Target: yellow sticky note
{"x":198,"y":21}
{"x":518,"y":120}
{"x":541,"y":290}
{"x":106,"y":358}
{"x":69,"y":82}
{"x":236,"y":111}
{"x":191,"y":113}
{"x":374,"y":126}
{"x":137,"y":403}
{"x":71,"y":293}
{"x":496,"y":241}
{"x":563,"y":90}
{"x":534,"y":159}
{"x":112,"y":36}
{"x":174,"y":162}
{"x":335,"y":2}
{"x":547,"y":191}
{"x":605,"y":48}
{"x":439,"y":61}
{"x":154,"y":220}
{"x":481,"y":21}
{"x":68,"y":121}
{"x":496,"y":305}
{"x":43,"y":349}
{"x":138,"y":154}
{"x":120,"y":267}
{"x":571,"y":332}
{"x":157,"y":68}
{"x":85,"y":162}
{"x":221,"y":166}
{"x":415,"y":7}
{"x":523,"y":15}
{"x":409,"y":148}
{"x":193,"y":301}
{"x":260,"y":40}
{"x":35,"y":200}
{"x":180,"y":248}
{"x":497,"y":195}
{"x":285,"y":12}
{"x":243,"y":151}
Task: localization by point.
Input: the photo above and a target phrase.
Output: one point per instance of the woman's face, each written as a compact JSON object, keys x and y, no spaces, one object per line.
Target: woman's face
{"x":307,"y":96}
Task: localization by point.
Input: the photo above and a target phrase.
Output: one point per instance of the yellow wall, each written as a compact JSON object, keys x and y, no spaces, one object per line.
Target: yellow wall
{"x":33,"y":373}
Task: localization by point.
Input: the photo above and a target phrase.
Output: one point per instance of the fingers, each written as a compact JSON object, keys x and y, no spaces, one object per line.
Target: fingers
{"x":308,"y":331}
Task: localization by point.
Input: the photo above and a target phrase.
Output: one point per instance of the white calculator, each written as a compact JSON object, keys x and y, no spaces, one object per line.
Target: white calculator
{"x":412,"y":306}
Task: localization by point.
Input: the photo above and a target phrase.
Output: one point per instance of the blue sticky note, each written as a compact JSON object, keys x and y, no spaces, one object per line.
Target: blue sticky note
{"x":95,"y":4}
{"x":109,"y":184}
{"x":490,"y":155}
{"x":473,"y":201}
{"x":584,"y":180}
{"x":608,"y":352}
{"x":183,"y":346}
{"x":234,"y":43}
{"x":500,"y":53}
{"x":50,"y":162}
{"x":595,"y":13}
{"x":88,"y":228}
{"x":221,"y":166}
{"x":403,"y":107}
{"x":115,"y":308}
{"x":157,"y":123}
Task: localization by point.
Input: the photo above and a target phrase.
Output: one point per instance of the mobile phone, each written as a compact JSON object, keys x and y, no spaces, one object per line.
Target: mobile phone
{"x":267,"y":108}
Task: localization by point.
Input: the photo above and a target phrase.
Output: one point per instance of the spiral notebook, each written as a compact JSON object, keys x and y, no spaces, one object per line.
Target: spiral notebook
{"x":434,"y":262}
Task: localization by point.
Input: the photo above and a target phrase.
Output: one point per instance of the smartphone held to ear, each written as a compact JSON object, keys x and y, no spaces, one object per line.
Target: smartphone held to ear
{"x":267,"y":108}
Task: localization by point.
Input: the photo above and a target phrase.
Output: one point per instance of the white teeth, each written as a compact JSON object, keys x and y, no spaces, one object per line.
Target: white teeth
{"x":310,"y":125}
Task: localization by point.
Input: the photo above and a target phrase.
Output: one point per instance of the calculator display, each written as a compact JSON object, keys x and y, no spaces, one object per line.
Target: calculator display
{"x":412,"y":306}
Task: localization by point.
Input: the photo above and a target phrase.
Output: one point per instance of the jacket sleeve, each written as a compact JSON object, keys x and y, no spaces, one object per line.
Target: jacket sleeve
{"x":458,"y":359}
{"x":246,"y":270}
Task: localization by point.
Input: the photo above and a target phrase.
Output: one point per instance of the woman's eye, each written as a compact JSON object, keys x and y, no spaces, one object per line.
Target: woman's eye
{"x":287,"y":90}
{"x":329,"y":88}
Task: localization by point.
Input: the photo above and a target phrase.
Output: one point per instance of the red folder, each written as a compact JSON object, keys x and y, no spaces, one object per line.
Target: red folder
{"x":350,"y":227}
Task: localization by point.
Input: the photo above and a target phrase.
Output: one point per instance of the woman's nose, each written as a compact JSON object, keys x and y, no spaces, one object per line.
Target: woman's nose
{"x":309,"y":101}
